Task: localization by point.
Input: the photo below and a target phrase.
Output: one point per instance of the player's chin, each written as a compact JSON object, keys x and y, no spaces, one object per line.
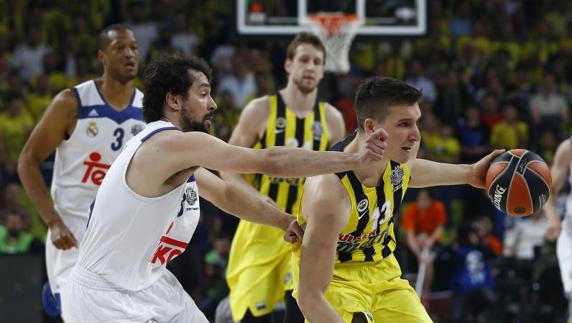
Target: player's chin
{"x":403,"y":156}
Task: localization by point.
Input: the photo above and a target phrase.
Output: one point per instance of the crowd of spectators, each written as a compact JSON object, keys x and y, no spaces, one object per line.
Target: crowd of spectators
{"x":495,"y":74}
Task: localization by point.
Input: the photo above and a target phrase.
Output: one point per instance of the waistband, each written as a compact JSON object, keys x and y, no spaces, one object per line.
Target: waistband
{"x":89,"y":279}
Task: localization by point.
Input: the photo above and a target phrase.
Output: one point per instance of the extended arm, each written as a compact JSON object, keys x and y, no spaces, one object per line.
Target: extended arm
{"x":59,"y":117}
{"x":234,"y":199}
{"x":559,"y":172}
{"x":427,"y":173}
{"x":326,"y":214}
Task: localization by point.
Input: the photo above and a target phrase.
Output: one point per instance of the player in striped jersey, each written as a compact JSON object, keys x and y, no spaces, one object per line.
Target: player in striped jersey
{"x":259,"y":268}
{"x":345,"y":267}
{"x":87,"y":126}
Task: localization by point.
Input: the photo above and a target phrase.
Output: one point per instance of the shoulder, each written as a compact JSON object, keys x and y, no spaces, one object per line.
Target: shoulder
{"x":256,"y":110}
{"x":325,"y":191}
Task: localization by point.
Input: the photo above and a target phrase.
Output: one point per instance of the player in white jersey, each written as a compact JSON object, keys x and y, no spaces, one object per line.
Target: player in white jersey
{"x":561,"y":172}
{"x":87,"y":126}
{"x":146,"y":209}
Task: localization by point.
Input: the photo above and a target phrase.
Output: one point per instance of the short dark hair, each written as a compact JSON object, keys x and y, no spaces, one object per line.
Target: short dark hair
{"x":305,"y":38}
{"x":169,"y":74}
{"x":376,"y":95}
{"x":104,"y":39}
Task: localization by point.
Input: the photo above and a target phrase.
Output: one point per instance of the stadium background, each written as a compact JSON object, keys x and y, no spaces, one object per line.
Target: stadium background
{"x":495,"y":73}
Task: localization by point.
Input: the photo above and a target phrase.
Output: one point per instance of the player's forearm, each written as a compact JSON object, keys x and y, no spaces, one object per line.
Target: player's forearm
{"x":316,"y":309}
{"x":33,"y":182}
{"x":550,"y":210}
{"x":252,"y":207}
{"x":296,"y":162}
{"x":427,"y":173}
{"x":238,"y":179}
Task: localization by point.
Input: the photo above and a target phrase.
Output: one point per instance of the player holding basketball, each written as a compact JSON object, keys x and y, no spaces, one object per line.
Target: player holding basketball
{"x":147,"y":208}
{"x":347,"y":268}
{"x":259,"y":268}
{"x":87,"y":126}
{"x":560,"y":172}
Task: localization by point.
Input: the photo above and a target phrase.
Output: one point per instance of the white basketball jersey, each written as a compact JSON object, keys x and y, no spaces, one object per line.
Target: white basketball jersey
{"x":131,"y":238}
{"x":83,"y":159}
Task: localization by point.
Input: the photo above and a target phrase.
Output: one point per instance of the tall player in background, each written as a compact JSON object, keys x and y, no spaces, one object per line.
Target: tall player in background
{"x":346,"y":267}
{"x":258,"y":271}
{"x":87,"y":127}
{"x":147,"y":208}
{"x":562,"y":230}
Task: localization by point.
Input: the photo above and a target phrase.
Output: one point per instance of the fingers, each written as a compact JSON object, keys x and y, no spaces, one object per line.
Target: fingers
{"x":381,"y":134}
{"x":294,"y":232}
{"x":495,"y":153}
{"x":65,"y":241}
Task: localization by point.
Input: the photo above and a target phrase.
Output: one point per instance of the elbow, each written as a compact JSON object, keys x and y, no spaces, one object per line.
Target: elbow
{"x":25,"y":161}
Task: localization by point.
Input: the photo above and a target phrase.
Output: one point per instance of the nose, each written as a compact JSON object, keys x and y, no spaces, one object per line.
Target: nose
{"x":212,"y":104}
{"x":415,"y":135}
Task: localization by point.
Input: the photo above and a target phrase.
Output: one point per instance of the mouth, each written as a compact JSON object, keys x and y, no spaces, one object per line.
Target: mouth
{"x":130,"y":65}
{"x":209,"y":117}
{"x":407,"y":149}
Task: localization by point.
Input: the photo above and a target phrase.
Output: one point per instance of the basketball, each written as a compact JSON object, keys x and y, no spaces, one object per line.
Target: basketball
{"x":518,"y":182}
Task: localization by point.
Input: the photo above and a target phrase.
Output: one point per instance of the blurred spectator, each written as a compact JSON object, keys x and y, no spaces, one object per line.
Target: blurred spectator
{"x":28,"y":56}
{"x":215,"y":269}
{"x":226,"y":116}
{"x":183,"y":38}
{"x":528,"y":233}
{"x":240,"y":83}
{"x":423,"y":222}
{"x":38,"y":100}
{"x":473,"y":283}
{"x":511,"y":133}
{"x":484,"y":227}
{"x":14,"y":238}
{"x":490,"y":111}
{"x":547,"y":106}
{"x":144,"y":30}
{"x":473,"y":136}
{"x":547,"y":144}
{"x":15,"y":126}
{"x":443,"y":146}
{"x":418,"y":80}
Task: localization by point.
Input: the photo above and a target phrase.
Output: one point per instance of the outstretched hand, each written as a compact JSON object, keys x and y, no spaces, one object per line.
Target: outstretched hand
{"x":479,"y":169}
{"x":374,"y":149}
{"x":294,"y":232}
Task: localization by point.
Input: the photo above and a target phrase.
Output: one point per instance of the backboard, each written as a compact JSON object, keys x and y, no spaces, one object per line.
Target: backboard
{"x":288,"y":17}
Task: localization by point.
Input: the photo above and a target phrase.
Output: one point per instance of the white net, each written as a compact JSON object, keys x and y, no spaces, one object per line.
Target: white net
{"x":336,"y":32}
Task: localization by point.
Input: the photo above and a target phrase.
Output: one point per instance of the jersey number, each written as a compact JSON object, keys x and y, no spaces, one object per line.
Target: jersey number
{"x":118,"y":133}
{"x":377,"y":218}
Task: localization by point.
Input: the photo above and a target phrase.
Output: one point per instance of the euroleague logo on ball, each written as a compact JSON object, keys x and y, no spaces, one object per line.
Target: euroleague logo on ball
{"x":499,"y":193}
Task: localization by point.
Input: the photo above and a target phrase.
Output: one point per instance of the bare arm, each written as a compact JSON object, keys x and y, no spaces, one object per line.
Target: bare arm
{"x":336,"y":124}
{"x":559,"y":173}
{"x":324,"y":223}
{"x":246,"y":133}
{"x":60,"y":117}
{"x":427,"y":173}
{"x":179,"y":151}
{"x":233,"y":199}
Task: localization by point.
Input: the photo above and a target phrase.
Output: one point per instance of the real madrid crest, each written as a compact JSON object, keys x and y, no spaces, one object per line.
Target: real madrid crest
{"x":191,"y":195}
{"x":136,"y":128}
{"x":396,"y":177}
{"x":92,"y":130}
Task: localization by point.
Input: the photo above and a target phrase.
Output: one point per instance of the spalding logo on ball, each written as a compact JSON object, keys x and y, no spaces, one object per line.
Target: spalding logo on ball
{"x":518,"y":182}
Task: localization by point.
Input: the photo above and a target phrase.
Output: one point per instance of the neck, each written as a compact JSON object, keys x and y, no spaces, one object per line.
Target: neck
{"x":298,"y":101}
{"x":370,"y":176}
{"x":115,"y":92}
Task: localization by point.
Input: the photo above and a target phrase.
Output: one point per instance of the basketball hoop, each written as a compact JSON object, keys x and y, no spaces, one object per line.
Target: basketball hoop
{"x":336,"y":30}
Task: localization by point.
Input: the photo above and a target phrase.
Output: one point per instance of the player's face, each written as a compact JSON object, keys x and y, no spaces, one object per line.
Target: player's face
{"x":121,"y":56}
{"x":306,"y":68}
{"x":404,"y":136}
{"x":197,"y":112}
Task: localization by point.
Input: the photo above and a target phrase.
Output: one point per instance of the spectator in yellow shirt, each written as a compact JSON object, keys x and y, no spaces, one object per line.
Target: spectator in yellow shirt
{"x":510,"y":133}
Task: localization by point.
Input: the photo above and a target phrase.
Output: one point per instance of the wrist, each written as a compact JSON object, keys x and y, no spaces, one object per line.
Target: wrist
{"x":284,"y":221}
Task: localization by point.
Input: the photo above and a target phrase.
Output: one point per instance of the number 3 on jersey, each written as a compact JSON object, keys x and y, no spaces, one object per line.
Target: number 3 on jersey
{"x":118,"y":134}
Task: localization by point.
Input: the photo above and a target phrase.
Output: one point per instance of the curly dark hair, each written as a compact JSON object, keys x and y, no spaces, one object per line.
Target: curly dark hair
{"x":169,"y":74}
{"x":377,"y":94}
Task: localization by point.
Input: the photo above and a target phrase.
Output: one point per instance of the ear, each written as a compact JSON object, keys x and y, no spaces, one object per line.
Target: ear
{"x":172,"y":101}
{"x":101,"y":57}
{"x":287,"y":65}
{"x":369,"y":125}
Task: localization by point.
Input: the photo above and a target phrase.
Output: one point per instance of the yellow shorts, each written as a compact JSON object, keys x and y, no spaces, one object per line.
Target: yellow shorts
{"x":354,"y":289}
{"x":259,"y":270}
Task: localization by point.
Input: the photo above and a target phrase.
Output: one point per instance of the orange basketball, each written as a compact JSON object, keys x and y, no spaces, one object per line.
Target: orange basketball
{"x":518,"y":182}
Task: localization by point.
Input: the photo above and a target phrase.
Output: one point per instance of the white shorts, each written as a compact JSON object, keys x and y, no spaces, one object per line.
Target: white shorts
{"x":59,"y":263}
{"x":85,"y":300}
{"x":564,"y":253}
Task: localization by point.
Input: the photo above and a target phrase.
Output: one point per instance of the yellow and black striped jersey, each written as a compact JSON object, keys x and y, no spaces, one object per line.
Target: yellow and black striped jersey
{"x":369,"y":234}
{"x":284,"y":128}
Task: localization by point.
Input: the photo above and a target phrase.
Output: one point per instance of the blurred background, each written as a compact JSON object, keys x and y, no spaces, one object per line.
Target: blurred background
{"x":494,"y":74}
